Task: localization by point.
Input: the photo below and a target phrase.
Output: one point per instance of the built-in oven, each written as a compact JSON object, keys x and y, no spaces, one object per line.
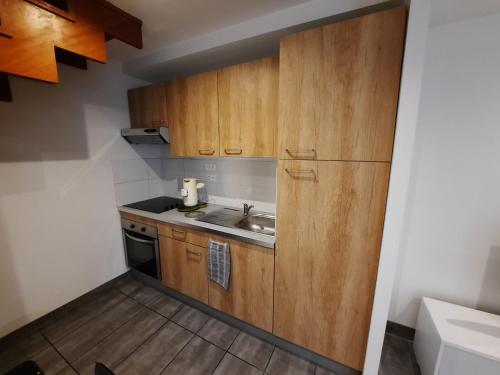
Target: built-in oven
{"x":141,"y":247}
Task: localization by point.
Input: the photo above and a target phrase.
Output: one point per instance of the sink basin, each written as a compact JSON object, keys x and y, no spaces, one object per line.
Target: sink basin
{"x":258,"y":223}
{"x":233,"y":218}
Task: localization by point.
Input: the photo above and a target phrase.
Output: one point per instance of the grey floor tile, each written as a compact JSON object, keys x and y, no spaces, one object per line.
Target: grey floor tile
{"x":165,"y":305}
{"x":218,"y":333}
{"x":155,"y":354}
{"x":145,"y":295}
{"x":122,"y":342}
{"x":19,"y":346}
{"x":252,"y":350}
{"x":233,"y":365}
{"x":50,"y":361}
{"x":199,"y":357}
{"x":128,"y":284}
{"x":74,"y":318}
{"x":190,"y":318}
{"x":323,"y":371}
{"x":397,"y":356}
{"x":76,"y":343}
{"x":67,"y":371}
{"x":284,"y":363}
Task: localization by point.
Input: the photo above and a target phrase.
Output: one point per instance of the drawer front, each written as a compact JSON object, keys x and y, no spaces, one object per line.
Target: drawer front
{"x":184,"y":268}
{"x":182,"y":234}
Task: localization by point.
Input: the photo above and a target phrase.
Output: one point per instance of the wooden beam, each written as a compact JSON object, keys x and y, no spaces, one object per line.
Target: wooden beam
{"x":70,"y":58}
{"x":5,"y":93}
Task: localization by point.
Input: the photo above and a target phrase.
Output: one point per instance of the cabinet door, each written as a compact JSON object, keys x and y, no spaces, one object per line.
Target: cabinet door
{"x":329,"y":229}
{"x":339,"y":87}
{"x":148,"y":106}
{"x":193,"y":115}
{"x":184,"y":268}
{"x":250,"y":293}
{"x":248,"y":108}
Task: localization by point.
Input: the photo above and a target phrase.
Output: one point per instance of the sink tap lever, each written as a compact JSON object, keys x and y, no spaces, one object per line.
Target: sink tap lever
{"x":246,"y":208}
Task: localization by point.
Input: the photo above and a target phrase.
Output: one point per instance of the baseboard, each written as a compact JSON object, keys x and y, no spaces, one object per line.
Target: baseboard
{"x":400,"y":330}
{"x":335,"y":367}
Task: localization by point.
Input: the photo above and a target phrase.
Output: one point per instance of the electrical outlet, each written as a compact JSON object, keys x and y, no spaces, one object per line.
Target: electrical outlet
{"x":212,"y":178}
{"x":210,"y":167}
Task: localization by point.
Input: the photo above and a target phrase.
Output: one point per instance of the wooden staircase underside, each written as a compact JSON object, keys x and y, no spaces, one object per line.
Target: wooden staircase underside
{"x":32,"y":31}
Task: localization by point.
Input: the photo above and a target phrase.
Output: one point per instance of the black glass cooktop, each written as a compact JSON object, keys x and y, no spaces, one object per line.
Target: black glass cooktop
{"x":157,"y":205}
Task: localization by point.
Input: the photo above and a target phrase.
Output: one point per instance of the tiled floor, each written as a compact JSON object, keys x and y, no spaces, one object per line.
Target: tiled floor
{"x":135,"y":329}
{"x":398,"y":357}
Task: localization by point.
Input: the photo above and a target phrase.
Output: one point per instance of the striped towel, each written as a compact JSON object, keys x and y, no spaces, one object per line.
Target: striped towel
{"x":219,"y":262}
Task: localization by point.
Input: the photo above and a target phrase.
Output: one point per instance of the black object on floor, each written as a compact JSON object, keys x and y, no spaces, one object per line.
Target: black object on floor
{"x":26,"y":368}
{"x":101,"y":369}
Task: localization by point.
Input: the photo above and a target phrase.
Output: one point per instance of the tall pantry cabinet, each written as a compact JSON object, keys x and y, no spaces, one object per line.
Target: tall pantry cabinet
{"x":339,"y":87}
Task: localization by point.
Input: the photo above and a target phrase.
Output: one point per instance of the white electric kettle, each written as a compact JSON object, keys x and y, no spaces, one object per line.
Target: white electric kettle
{"x":190,"y":191}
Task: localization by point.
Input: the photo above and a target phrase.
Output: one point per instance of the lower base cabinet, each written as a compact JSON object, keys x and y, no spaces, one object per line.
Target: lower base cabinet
{"x":250,"y":293}
{"x":184,"y":268}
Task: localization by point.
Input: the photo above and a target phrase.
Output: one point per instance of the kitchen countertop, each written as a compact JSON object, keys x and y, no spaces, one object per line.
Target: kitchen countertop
{"x":178,"y":218}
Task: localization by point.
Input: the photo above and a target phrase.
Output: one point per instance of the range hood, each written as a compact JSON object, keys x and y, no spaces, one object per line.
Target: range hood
{"x":139,"y":136}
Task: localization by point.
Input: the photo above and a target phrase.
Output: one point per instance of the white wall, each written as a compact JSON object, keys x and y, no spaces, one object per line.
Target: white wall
{"x":451,"y":239}
{"x":59,"y":227}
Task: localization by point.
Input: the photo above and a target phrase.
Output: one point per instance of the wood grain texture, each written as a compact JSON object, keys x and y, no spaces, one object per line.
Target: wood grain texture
{"x":34,"y":28}
{"x":148,"y":106}
{"x":248,"y":108}
{"x":250,"y":293}
{"x":327,"y":255}
{"x":184,"y":268}
{"x":339,"y":87}
{"x":193,"y":115}
{"x":137,"y":218}
{"x":183,"y":234}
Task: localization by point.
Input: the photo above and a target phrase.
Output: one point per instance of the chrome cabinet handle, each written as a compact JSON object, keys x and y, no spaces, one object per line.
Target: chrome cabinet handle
{"x":193,"y":252}
{"x":233,"y":151}
{"x":148,"y":242}
{"x":295,"y":153}
{"x":301,"y":173}
{"x":210,"y":151}
{"x":182,"y":234}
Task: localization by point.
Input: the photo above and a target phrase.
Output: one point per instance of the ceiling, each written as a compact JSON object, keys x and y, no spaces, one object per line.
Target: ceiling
{"x":184,"y":37}
{"x":167,"y":22}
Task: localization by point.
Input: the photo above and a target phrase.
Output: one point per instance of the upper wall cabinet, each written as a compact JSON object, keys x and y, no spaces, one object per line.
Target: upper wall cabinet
{"x":193,"y":115}
{"x":339,"y":87}
{"x":148,"y":106}
{"x":248,"y":108}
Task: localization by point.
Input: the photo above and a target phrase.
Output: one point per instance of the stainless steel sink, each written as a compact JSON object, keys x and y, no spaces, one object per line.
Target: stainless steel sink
{"x":234,"y":218}
{"x":259,"y":223}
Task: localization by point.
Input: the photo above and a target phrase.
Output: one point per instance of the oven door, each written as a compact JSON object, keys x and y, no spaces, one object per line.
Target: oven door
{"x":142,"y":253}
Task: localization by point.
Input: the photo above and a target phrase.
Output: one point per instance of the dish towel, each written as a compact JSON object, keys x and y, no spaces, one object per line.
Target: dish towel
{"x":219,"y":262}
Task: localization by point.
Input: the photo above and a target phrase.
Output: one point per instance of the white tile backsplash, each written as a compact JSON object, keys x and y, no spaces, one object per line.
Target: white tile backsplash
{"x":128,"y":192}
{"x":237,"y":180}
{"x":129,"y":170}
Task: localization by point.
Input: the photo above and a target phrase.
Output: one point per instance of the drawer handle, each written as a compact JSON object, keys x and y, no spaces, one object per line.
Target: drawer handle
{"x":210,"y":151}
{"x":301,"y":173}
{"x":296,"y":153}
{"x":157,"y":122}
{"x":233,"y":151}
{"x":179,"y":232}
{"x":198,"y":254}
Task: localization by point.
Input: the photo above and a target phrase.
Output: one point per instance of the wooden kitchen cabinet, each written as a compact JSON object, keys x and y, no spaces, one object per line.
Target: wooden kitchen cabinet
{"x":339,"y":87}
{"x":330,"y":217}
{"x":148,"y":106}
{"x":193,"y":115}
{"x":250,"y":293}
{"x":184,"y":268}
{"x":248,"y":108}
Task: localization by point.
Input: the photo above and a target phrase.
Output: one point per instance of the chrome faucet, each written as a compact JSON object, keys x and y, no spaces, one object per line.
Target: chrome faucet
{"x":246,"y":209}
